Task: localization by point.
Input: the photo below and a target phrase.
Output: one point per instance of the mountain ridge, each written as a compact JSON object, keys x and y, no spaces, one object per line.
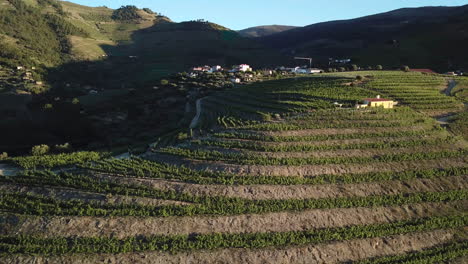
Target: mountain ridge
{"x":261,"y":31}
{"x":409,"y":28}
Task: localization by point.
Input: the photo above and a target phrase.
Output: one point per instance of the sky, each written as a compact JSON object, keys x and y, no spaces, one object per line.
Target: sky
{"x":241,"y":14}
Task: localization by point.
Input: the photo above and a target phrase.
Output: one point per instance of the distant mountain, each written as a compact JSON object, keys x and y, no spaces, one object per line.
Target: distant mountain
{"x":262,"y":31}
{"x":429,"y":37}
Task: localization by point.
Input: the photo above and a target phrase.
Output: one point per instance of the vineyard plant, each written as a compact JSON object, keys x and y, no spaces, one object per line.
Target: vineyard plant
{"x":280,"y":171}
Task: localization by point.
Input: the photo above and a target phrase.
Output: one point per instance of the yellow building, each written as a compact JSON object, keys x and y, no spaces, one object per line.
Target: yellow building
{"x":377,"y":102}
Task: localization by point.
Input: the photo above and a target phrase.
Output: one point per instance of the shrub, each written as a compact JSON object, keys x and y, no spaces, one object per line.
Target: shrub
{"x":379,"y":67}
{"x":63,"y":148}
{"x":3,"y":155}
{"x":147,"y":10}
{"x":128,"y":12}
{"x":359,"y":78}
{"x":405,"y":68}
{"x":48,"y":106}
{"x":182,"y":136}
{"x":40,"y":150}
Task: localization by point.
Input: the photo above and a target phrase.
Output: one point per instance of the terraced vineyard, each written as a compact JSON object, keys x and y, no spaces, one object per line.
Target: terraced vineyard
{"x":275,"y":174}
{"x":422,"y":92}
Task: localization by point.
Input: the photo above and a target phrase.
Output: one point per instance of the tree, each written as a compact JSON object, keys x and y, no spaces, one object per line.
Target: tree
{"x":63,"y":148}
{"x":405,"y":68}
{"x":75,"y":101}
{"x":147,"y":10}
{"x":40,"y":150}
{"x":379,"y":67}
{"x":164,"y":82}
{"x":129,"y":12}
{"x":342,"y":69}
{"x":354,"y":67}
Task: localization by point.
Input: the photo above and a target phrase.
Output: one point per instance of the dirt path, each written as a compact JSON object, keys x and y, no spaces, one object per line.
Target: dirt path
{"x":72,"y":194}
{"x":313,"y":170}
{"x":342,"y":153}
{"x":337,"y":131}
{"x":6,"y":170}
{"x":451,"y":85}
{"x":121,"y":227}
{"x":195,"y":120}
{"x":269,"y":192}
{"x":342,"y":251}
{"x":335,"y":142}
{"x":444,"y":120}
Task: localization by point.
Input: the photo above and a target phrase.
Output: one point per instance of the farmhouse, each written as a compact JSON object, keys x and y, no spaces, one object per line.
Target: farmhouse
{"x":305,"y":70}
{"x":377,"y":102}
{"x":241,"y":68}
{"x":216,"y":68}
{"x":314,"y":70}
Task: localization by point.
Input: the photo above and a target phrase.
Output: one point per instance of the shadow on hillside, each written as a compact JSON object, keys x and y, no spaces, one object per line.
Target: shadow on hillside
{"x":119,"y":104}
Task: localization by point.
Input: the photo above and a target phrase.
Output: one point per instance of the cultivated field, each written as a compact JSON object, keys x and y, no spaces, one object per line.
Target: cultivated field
{"x":274,"y":173}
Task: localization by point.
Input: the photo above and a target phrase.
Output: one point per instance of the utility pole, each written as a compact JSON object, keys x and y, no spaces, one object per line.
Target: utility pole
{"x":302,"y":58}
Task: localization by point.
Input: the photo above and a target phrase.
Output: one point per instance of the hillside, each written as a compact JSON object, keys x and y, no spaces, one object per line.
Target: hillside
{"x":67,"y":51}
{"x":262,"y":31}
{"x":274,"y":172}
{"x":429,"y":37}
{"x":69,"y":32}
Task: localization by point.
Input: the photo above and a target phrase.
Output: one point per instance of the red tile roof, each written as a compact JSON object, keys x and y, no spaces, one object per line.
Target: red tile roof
{"x":422,"y":70}
{"x":377,"y":100}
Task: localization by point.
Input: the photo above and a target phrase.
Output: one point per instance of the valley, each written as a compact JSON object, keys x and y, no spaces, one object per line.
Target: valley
{"x":121,"y":145}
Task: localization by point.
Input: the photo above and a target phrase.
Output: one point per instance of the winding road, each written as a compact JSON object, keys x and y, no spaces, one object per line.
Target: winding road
{"x":451,"y":85}
{"x":6,"y":170}
{"x":444,"y":120}
{"x":195,"y":120}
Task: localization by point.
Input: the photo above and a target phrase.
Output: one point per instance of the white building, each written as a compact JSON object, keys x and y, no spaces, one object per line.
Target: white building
{"x":314,"y":70}
{"x":235,"y":80}
{"x":241,"y":68}
{"x":299,"y":70}
{"x":216,"y":68}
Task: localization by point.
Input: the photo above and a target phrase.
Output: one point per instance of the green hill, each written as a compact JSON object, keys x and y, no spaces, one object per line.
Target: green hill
{"x":261,"y":31}
{"x":428,"y":37}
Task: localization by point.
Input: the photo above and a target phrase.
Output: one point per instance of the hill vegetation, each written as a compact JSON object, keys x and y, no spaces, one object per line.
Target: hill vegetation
{"x":126,"y":13}
{"x":262,"y":31}
{"x":428,"y":37}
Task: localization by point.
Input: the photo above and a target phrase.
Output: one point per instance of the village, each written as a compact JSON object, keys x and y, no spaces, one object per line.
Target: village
{"x":244,"y":73}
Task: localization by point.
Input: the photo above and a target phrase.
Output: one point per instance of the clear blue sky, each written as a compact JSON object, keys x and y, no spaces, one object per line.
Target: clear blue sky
{"x":242,"y":14}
